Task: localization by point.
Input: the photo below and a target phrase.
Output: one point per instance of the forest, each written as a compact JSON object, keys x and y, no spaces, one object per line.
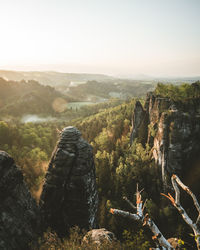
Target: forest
{"x":119,"y":165}
{"x":20,"y":98}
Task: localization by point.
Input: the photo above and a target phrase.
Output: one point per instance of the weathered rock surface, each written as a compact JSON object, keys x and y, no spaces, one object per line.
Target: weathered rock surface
{"x":19,"y":214}
{"x":139,"y":119}
{"x":69,"y":194}
{"x":99,"y":236}
{"x":173,"y":132}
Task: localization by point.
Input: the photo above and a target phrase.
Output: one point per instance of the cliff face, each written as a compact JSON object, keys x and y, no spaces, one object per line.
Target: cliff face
{"x":173,"y":132}
{"x":69,"y":194}
{"x":19,"y":214}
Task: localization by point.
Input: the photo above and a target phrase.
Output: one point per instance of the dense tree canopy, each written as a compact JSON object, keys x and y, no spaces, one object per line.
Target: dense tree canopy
{"x":178,"y":92}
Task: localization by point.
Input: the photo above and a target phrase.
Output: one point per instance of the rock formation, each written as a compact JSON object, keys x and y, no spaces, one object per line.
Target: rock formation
{"x":19,"y":214}
{"x":139,"y":119}
{"x":99,"y":236}
{"x":69,"y":194}
{"x":173,"y":131}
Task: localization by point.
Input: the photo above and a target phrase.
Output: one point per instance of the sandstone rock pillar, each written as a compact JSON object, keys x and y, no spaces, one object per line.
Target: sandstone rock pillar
{"x":69,"y":194}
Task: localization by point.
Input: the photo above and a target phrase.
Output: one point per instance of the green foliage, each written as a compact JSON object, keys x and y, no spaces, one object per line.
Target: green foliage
{"x":152,"y":130}
{"x":31,"y":146}
{"x":181,"y":242}
{"x":4,"y":129}
{"x":119,"y":167}
{"x":180,"y":92}
{"x":137,"y":241}
{"x":116,"y":88}
{"x":50,"y":240}
{"x":18,"y":98}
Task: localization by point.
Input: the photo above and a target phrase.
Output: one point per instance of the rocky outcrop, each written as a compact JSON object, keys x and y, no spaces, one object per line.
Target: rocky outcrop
{"x":19,"y":214}
{"x":69,"y":194}
{"x":173,"y":132}
{"x":138,"y":121}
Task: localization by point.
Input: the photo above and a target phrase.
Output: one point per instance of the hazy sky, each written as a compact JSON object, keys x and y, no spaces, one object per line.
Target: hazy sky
{"x":118,"y":37}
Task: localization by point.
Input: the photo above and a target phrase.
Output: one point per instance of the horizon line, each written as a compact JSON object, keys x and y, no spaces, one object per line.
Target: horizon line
{"x":123,"y":76}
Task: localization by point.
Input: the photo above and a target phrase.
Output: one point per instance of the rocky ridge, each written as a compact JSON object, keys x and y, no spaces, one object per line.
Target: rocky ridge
{"x":172,"y":130}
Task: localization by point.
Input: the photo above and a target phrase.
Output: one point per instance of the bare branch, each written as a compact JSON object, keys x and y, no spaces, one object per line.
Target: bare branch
{"x":146,"y":221}
{"x":129,"y":202}
{"x":184,"y":187}
{"x":198,"y":219}
{"x":144,"y":206}
{"x":141,"y":190}
{"x":169,"y":197}
{"x":124,"y":214}
{"x":139,"y":203}
{"x":177,"y":192}
{"x":176,"y":203}
{"x":159,"y":236}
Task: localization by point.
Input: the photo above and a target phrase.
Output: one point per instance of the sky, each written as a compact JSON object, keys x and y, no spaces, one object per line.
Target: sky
{"x":115,"y":37}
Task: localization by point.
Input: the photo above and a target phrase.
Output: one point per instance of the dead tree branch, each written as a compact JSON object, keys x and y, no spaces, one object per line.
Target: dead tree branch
{"x":176,"y":203}
{"x":129,"y":202}
{"x":146,"y":221}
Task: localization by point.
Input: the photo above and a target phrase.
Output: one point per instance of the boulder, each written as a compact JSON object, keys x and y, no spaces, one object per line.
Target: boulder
{"x":99,"y":236}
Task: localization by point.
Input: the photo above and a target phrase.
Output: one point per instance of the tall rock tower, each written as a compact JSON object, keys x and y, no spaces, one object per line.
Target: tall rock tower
{"x":69,"y":194}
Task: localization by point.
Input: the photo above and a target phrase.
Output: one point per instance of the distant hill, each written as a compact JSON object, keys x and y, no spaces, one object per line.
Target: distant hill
{"x":84,"y":87}
{"x":122,"y":89}
{"x":18,"y":98}
{"x":52,"y":78}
